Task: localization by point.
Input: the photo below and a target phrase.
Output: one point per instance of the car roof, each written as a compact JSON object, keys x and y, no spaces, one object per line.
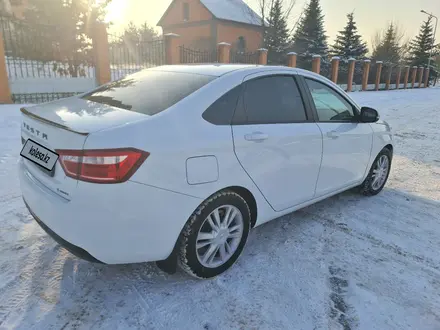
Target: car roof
{"x":218,"y":69}
{"x":243,"y":70}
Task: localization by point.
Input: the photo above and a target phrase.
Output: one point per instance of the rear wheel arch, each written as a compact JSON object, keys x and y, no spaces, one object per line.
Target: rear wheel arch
{"x":169,"y":265}
{"x":390,"y":148}
{"x":250,"y":200}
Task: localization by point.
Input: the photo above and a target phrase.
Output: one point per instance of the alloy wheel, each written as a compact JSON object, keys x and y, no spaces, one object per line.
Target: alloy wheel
{"x":219,"y":236}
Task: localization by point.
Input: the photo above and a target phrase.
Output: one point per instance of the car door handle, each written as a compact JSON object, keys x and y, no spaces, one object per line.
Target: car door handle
{"x":332,"y":135}
{"x":256,"y":137}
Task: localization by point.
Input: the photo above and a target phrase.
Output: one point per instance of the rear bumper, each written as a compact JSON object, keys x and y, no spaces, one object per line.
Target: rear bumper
{"x":75,"y":250}
{"x":112,"y":224}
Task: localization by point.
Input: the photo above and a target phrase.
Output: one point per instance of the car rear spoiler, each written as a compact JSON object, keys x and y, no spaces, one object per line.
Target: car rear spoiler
{"x":44,"y":120}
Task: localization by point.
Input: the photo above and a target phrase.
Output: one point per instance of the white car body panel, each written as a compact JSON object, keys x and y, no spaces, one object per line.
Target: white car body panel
{"x":141,"y":219}
{"x":346,"y":155}
{"x":123,"y":223}
{"x":286,"y":165}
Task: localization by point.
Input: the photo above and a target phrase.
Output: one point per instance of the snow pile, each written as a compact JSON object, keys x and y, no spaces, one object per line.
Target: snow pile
{"x":349,"y":262}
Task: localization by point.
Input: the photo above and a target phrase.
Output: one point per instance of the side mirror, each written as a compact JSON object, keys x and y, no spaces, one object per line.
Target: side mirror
{"x":369,"y":115}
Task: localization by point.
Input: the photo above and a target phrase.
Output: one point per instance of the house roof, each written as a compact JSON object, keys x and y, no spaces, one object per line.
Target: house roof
{"x":230,"y":10}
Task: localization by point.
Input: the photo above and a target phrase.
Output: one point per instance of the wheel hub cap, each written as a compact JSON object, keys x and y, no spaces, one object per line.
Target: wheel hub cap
{"x":219,"y":236}
{"x":380,"y":172}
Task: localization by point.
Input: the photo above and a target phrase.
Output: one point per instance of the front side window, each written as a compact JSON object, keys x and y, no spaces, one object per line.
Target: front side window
{"x":329,"y":105}
{"x":149,"y":91}
{"x":272,"y":100}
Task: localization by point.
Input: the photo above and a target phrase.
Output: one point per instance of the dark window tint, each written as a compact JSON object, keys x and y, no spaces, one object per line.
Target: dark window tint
{"x":186,"y":11}
{"x":149,"y":92}
{"x":273,"y":100}
{"x":222,"y":110}
{"x":329,"y":105}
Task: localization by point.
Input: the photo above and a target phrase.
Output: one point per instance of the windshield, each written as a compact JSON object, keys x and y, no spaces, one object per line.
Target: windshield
{"x":149,"y":92}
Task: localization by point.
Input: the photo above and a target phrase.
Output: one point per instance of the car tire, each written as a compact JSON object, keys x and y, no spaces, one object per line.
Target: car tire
{"x":370,"y":186}
{"x":215,"y":235}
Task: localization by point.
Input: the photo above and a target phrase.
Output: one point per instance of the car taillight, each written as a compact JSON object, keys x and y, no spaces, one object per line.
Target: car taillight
{"x":102,"y":166}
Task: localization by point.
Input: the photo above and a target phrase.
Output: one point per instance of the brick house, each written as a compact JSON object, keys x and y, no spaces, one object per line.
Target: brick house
{"x":202,"y":24}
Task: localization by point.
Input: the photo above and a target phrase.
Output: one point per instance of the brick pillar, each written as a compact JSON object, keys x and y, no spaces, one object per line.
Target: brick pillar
{"x":388,"y":81}
{"x":399,"y":74}
{"x":335,"y":69}
{"x":365,"y":74}
{"x":426,"y":78}
{"x":406,"y":77}
{"x":316,"y":64}
{"x":5,"y":92}
{"x":413,"y":76}
{"x":101,"y":52}
{"x":224,"y":52}
{"x":420,"y":76}
{"x":378,"y":73}
{"x":262,"y":56}
{"x":291,"y":59}
{"x":172,"y":50}
{"x":351,"y":63}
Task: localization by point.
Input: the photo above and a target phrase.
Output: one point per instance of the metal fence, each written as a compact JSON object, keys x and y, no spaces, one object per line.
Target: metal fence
{"x":372,"y":73}
{"x":43,"y":51}
{"x":188,"y":55}
{"x":244,"y":57}
{"x":326,"y":69}
{"x":33,"y":98}
{"x":276,"y":58}
{"x":128,"y":55}
{"x":45,"y":62}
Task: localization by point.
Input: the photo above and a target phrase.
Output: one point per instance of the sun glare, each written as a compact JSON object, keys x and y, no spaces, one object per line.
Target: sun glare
{"x":116,"y":10}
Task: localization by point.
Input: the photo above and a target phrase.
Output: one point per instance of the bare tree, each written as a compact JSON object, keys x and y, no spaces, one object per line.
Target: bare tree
{"x":264,"y":9}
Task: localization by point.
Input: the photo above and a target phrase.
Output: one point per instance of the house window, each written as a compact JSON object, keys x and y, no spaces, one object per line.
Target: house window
{"x":241,"y":44}
{"x":186,"y":11}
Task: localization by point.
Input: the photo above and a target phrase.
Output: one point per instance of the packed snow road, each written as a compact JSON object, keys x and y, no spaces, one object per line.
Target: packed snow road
{"x":349,"y":262}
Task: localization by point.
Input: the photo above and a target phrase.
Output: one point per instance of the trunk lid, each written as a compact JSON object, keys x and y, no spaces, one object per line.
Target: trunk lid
{"x":66,"y":124}
{"x":82,"y":116}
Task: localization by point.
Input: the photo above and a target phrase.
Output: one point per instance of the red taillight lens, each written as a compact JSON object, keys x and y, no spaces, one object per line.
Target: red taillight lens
{"x":102,"y":166}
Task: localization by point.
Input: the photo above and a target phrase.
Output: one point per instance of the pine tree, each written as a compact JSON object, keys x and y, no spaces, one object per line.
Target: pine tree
{"x":349,"y":42}
{"x":388,"y":48}
{"x":421,"y":46}
{"x":63,"y":28}
{"x":134,"y":38}
{"x":277,"y":34}
{"x":310,"y":37}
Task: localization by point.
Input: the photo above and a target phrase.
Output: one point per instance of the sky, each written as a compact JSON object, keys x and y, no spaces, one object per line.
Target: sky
{"x":370,"y":15}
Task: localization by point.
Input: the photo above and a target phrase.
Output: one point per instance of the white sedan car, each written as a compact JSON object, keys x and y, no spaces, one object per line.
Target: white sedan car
{"x":176,"y":164}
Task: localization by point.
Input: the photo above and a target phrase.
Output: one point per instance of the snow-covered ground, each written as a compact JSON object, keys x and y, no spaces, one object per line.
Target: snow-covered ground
{"x":349,"y":262}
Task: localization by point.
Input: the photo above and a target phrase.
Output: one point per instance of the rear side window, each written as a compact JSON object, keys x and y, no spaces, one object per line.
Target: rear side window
{"x":222,"y":110}
{"x":149,"y":92}
{"x":272,"y":100}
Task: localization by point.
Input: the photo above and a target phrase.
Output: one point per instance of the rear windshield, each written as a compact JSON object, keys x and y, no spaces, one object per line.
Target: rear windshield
{"x":149,"y":92}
